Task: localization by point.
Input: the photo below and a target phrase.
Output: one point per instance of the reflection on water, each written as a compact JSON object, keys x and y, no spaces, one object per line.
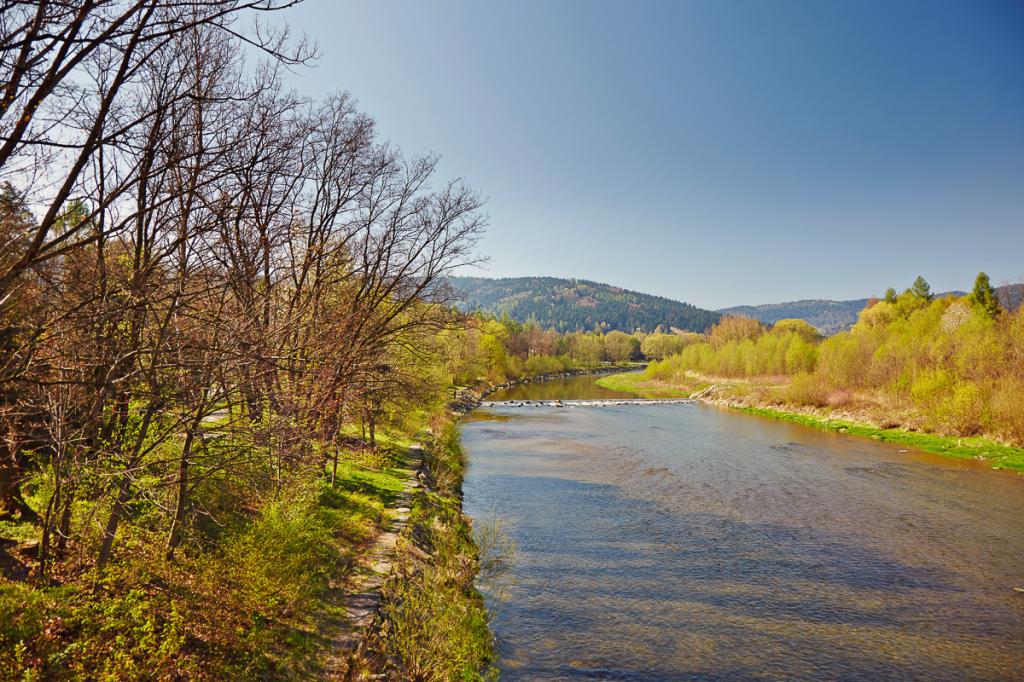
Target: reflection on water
{"x":577,"y":388}
{"x":684,"y":542}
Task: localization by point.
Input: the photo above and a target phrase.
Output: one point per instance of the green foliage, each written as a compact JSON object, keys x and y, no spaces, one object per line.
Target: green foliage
{"x":114,"y":639}
{"x":545,"y":364}
{"x":806,"y":389}
{"x":659,"y":346}
{"x":801,"y":327}
{"x":921,"y":289}
{"x":621,"y":347}
{"x":984,"y":297}
{"x":436,"y":630}
{"x":952,"y":362}
{"x":242,"y":608}
{"x":739,"y":347}
{"x":501,"y":350}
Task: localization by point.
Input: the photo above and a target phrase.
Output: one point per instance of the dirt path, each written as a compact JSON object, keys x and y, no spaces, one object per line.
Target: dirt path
{"x":362,"y":593}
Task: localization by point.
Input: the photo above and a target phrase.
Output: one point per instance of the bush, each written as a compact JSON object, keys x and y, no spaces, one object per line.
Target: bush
{"x":1006,"y":411}
{"x":807,"y":389}
{"x":964,"y":411}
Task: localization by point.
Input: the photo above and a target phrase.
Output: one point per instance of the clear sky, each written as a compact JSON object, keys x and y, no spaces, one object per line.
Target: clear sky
{"x":720,"y":152}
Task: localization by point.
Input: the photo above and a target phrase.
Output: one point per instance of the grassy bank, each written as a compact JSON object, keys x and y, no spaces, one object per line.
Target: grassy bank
{"x":997,"y":455}
{"x":248,"y":607}
{"x":433,"y":623}
{"x":254,"y":594}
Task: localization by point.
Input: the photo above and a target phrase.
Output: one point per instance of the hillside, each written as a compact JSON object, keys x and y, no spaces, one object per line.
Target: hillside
{"x":1011,"y":295}
{"x":576,"y":304}
{"x":828,"y":316}
{"x":831,"y":317}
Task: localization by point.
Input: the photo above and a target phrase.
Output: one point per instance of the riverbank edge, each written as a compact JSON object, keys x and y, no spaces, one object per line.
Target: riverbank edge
{"x":994,"y":454}
{"x":403,"y":628}
{"x":469,"y":398}
{"x":427,"y":621}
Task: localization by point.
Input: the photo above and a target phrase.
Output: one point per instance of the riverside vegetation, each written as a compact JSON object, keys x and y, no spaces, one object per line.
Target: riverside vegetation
{"x":224,"y":316}
{"x":942,"y":374}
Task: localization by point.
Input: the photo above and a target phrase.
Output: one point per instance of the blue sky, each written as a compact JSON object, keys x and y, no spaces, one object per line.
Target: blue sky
{"x":721,"y":152}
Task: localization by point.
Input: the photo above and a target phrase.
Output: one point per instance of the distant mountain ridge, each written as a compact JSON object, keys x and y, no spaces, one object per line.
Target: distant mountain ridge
{"x":578,"y":304}
{"x":831,"y":317}
{"x":828,"y":316}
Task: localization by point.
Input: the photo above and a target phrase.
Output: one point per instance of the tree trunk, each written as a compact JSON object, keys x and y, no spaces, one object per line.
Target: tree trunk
{"x":124,"y":491}
{"x":174,"y":536}
{"x":44,"y":543}
{"x":11,"y":500}
{"x":64,"y":524}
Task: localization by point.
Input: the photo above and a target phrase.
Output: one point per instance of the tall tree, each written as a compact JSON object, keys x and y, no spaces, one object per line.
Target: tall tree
{"x":984,"y":296}
{"x":921,"y":289}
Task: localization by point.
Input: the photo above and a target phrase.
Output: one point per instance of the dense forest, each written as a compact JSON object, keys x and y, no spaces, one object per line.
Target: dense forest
{"x":568,"y":305}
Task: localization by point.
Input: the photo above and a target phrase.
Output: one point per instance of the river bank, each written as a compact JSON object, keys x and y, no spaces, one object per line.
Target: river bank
{"x":426,"y":619}
{"x":430,"y":621}
{"x":864,"y":420}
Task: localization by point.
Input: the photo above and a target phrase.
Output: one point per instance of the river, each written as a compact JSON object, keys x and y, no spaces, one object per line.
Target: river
{"x":687,"y":542}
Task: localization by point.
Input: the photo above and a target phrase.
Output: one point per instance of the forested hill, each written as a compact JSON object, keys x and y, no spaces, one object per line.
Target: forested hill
{"x":576,"y":304}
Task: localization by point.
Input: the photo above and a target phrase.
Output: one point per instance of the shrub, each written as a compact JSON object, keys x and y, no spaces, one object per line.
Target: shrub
{"x":1006,"y":410}
{"x":964,"y":411}
{"x":734,"y":328}
{"x":801,"y":357}
{"x":806,"y":389}
{"x":434,"y":624}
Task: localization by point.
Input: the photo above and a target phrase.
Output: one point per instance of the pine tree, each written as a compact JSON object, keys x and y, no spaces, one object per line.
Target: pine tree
{"x":890,"y":295}
{"x":984,"y":296}
{"x":921,"y":289}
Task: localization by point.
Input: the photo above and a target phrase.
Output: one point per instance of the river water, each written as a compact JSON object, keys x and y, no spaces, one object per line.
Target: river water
{"x":685,"y":542}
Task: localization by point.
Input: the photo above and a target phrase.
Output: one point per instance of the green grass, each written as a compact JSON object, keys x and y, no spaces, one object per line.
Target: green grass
{"x":359,"y":499}
{"x":997,"y":455}
{"x":244,"y":603}
{"x":637,"y":384}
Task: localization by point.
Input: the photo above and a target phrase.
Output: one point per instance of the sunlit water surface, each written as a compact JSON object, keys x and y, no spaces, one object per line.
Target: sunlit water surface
{"x":683,"y":542}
